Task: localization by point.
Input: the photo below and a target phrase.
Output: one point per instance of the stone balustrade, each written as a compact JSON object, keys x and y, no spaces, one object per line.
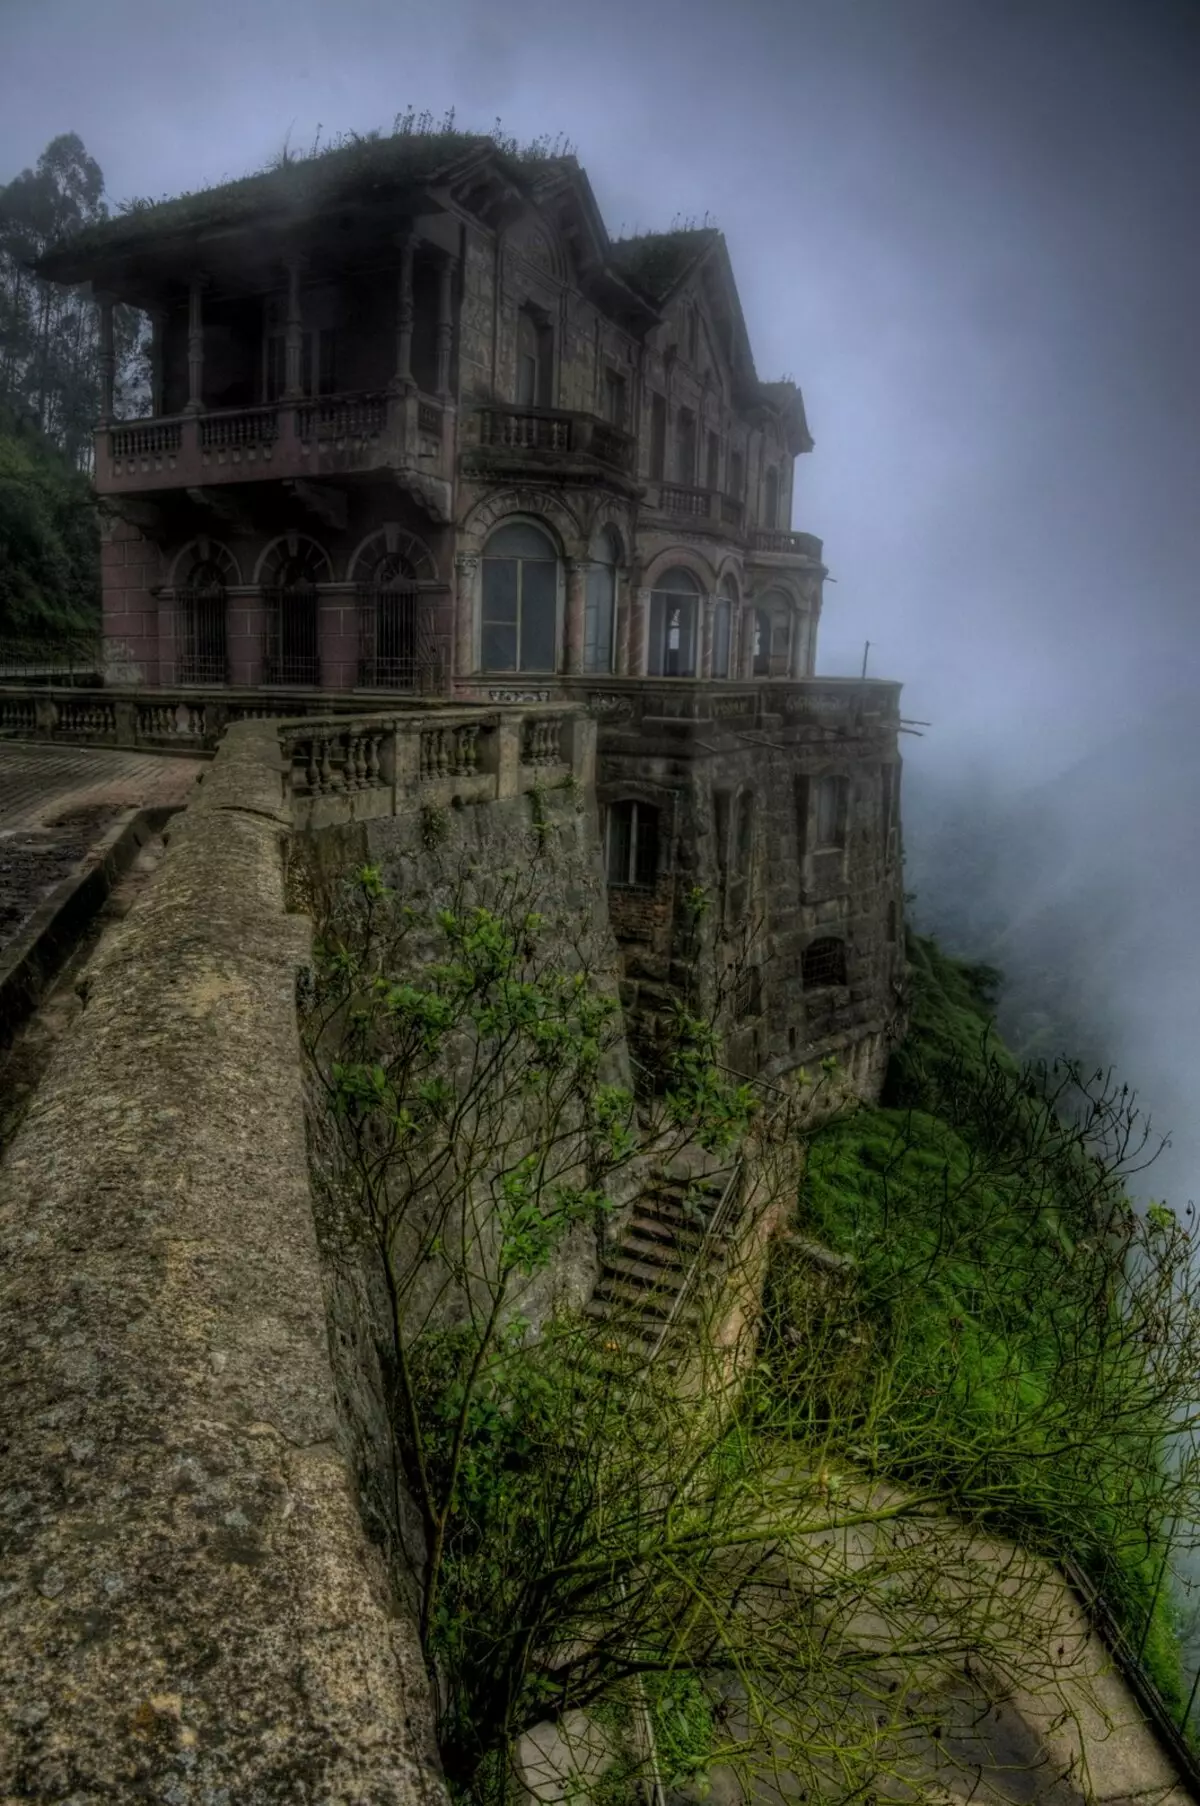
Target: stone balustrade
{"x":502,"y":433}
{"x":354,"y":769}
{"x":150,"y":720}
{"x":839,"y":704}
{"x":330,"y":434}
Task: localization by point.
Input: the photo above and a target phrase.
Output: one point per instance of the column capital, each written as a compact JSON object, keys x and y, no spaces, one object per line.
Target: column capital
{"x":465,"y":563}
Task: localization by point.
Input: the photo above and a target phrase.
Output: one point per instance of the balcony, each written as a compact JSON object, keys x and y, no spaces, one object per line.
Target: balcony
{"x":550,"y":441}
{"x":841,"y":706}
{"x":335,"y":435}
{"x":707,"y":510}
{"x":767,"y":547}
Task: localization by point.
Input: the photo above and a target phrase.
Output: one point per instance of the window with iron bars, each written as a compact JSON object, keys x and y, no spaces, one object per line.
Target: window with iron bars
{"x":823,"y":963}
{"x":397,"y":649}
{"x":203,"y":643}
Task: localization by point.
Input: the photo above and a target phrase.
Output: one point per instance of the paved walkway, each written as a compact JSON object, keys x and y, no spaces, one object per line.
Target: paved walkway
{"x":39,"y":784}
{"x":57,"y":803}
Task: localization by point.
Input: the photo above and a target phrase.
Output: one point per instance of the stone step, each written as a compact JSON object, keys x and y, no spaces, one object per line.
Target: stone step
{"x":671,"y":1234}
{"x":650,"y":1274}
{"x":640,"y":1301}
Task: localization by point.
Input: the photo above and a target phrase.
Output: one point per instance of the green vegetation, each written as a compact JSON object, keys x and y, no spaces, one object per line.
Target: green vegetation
{"x":1024,"y":1343}
{"x":49,"y":540}
{"x":776,"y":1560}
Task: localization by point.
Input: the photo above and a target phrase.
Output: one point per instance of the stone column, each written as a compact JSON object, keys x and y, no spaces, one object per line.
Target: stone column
{"x":404,"y":318}
{"x":293,"y":342}
{"x":445,"y":327}
{"x":746,"y":650}
{"x":467,"y":572}
{"x":707,"y":606}
{"x":157,"y":348}
{"x":195,"y":347}
{"x":577,"y":575}
{"x":624,"y":606}
{"x":639,"y":618}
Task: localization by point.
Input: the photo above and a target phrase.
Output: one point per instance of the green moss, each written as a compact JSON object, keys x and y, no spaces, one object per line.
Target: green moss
{"x":989,"y":1364}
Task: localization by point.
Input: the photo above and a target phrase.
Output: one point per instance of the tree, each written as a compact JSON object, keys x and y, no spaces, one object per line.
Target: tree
{"x":49,"y":333}
{"x":785,"y":1558}
{"x":49,"y":539}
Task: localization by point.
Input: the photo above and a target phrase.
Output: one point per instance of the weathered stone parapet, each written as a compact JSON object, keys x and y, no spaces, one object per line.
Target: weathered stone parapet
{"x":189,"y":1609}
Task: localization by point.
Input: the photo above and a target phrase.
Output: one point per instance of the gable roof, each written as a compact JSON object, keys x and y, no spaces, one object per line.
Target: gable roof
{"x":658,"y":262}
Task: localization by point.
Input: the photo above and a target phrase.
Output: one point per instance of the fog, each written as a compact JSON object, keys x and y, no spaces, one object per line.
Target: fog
{"x":969,"y":229}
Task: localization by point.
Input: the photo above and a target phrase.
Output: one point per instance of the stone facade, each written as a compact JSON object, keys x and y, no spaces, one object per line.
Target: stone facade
{"x":446,"y":438}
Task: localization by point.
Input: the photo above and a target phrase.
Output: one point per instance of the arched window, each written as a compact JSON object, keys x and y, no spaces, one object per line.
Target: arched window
{"x":723,"y":628}
{"x":631,"y":850}
{"x":600,"y":610}
{"x":520,"y":601}
{"x":673,"y":609}
{"x":396,"y":645}
{"x":203,"y":642}
{"x":290,"y":650}
{"x":823,"y":963}
{"x":771,"y":500}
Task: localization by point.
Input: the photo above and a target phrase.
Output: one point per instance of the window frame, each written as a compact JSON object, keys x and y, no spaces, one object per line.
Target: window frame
{"x":644,"y":844}
{"x":837,"y":786}
{"x":520,"y":560}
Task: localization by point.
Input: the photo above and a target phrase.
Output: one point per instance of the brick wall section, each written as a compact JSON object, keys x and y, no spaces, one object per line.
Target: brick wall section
{"x":130,"y":567}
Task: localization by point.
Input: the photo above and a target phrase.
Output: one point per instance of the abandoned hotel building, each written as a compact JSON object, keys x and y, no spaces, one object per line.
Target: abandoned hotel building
{"x":423,"y":432}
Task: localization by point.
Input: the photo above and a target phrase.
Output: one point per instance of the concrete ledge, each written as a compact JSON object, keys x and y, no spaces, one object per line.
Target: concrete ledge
{"x":31,"y":960}
{"x":189,"y":1610}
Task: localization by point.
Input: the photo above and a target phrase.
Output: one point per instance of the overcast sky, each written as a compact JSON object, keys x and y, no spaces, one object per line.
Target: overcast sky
{"x":969,"y":228}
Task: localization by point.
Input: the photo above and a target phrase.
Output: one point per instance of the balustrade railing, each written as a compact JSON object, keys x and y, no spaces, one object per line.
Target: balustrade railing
{"x":542,"y":741}
{"x":676,"y":498}
{"x":334,"y":759}
{"x":529,"y":429}
{"x":804,"y":545}
{"x":429,"y":417}
{"x":490,"y":753}
{"x":450,"y":752}
{"x":146,"y":439}
{"x":244,"y":430}
{"x":556,"y":431}
{"x":342,"y":417}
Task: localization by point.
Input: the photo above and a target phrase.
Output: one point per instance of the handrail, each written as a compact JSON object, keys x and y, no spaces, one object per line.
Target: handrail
{"x":1103,"y":1621}
{"x":695,"y":1270}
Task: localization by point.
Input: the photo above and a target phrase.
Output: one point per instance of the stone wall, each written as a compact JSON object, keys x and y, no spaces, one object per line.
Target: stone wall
{"x":772,"y":891}
{"x":190,"y":1610}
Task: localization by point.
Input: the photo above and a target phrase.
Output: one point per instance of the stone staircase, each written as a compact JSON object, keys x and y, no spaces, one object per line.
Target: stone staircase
{"x":643,"y":1275}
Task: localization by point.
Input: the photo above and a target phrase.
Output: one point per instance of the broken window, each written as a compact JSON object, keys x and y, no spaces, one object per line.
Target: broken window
{"x":632,"y":844}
